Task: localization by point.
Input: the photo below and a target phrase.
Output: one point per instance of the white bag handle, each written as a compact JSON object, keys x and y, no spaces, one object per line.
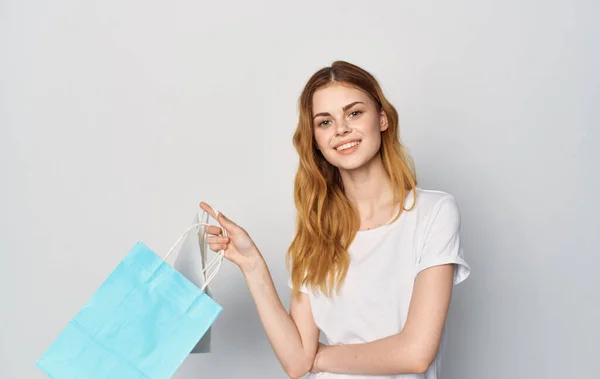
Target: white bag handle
{"x":215,"y":264}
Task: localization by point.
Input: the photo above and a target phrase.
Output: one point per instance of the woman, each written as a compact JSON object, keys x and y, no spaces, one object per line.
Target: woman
{"x":374,"y":257}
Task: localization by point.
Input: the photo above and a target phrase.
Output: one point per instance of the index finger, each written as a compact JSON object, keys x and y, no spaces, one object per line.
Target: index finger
{"x":209,"y":209}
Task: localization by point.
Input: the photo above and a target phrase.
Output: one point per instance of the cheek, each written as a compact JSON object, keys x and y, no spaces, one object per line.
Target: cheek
{"x":373,"y":131}
{"x":321,"y":140}
{"x":372,"y":134}
{"x":373,"y":127}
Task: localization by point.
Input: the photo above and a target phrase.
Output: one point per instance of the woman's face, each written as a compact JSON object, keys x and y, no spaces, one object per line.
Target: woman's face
{"x":347,"y":126}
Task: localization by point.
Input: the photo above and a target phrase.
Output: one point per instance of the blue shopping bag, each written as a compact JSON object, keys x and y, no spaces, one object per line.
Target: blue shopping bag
{"x":142,"y":322}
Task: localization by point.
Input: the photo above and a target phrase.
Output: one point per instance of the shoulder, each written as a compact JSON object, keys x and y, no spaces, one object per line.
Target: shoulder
{"x":430,"y":202}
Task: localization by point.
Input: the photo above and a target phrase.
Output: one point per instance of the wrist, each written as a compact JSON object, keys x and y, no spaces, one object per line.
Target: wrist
{"x":318,"y":361}
{"x":253,"y":263}
{"x":317,"y":364}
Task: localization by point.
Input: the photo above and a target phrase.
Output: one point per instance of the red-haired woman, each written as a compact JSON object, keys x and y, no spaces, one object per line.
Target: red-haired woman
{"x":374,"y":258}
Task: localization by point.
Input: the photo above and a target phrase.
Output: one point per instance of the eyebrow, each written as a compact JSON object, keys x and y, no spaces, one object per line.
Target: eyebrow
{"x":344,"y":108}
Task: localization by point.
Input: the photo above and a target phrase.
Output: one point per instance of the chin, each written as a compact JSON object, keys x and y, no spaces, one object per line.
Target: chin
{"x":355,"y":162}
{"x":351,"y":164}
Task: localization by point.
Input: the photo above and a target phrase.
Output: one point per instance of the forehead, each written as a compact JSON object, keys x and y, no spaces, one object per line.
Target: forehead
{"x":334,"y":96}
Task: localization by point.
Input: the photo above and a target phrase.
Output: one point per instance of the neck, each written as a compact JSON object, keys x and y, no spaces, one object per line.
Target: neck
{"x":368,"y":188}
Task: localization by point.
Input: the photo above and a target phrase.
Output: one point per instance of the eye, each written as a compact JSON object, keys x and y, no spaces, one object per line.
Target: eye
{"x":324,"y":123}
{"x":354,"y":113}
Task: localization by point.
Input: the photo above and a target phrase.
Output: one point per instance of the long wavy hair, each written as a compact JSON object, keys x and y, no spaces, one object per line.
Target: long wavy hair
{"x":326,"y":221}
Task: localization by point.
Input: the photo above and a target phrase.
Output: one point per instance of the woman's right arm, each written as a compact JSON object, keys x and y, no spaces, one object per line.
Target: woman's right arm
{"x":294,"y":337}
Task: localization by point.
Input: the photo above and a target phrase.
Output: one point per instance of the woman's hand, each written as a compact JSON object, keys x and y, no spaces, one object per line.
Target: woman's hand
{"x":315,"y":369}
{"x":237,"y":245}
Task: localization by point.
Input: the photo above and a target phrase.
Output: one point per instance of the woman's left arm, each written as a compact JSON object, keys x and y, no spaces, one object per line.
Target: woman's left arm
{"x":413,"y":349}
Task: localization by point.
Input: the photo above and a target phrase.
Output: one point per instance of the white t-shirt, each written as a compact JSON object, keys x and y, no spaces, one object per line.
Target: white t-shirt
{"x":374,"y":298}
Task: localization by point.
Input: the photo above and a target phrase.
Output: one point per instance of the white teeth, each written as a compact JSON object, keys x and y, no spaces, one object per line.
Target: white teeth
{"x":347,"y":146}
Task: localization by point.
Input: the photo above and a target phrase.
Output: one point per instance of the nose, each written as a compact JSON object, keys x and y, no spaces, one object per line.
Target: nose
{"x":342,"y":129}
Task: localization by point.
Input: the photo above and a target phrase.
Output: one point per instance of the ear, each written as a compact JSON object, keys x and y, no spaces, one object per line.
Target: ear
{"x":383,"y":121}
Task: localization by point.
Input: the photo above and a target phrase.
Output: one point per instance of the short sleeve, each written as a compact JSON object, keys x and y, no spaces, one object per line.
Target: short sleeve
{"x":302,"y":288}
{"x":441,"y":243}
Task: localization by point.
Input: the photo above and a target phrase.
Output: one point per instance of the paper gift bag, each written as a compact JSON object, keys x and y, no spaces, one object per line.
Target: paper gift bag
{"x":141,"y":323}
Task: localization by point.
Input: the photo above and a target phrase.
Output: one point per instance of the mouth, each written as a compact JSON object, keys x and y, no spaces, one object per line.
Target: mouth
{"x":344,"y":146}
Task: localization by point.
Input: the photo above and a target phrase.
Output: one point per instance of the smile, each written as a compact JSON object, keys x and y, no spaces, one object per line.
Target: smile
{"x":347,"y":146}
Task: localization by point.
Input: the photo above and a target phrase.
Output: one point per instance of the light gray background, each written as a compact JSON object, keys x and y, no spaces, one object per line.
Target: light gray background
{"x":117,"y":117}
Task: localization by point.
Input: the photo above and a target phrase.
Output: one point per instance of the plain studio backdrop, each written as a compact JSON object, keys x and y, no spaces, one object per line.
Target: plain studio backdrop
{"x":118,"y":117}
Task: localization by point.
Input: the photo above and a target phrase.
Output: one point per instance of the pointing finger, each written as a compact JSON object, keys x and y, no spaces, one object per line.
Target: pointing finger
{"x":229,"y":225}
{"x":209,"y":209}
